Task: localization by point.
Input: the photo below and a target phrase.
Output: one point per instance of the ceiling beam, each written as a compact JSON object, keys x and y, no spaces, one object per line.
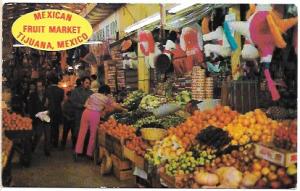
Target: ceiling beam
{"x":88,"y":8}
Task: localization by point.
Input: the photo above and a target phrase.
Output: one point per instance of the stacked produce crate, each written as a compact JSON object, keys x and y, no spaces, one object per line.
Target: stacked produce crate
{"x":110,"y":71}
{"x":198,"y":83}
{"x":183,"y":83}
{"x":209,"y":88}
{"x":202,"y":87}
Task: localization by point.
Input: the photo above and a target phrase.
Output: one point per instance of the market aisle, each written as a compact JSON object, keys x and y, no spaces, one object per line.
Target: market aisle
{"x":60,"y":170}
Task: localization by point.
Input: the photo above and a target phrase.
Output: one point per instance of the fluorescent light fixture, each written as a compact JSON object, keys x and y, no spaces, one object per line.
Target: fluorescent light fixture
{"x":93,"y":42}
{"x":180,"y":7}
{"x":142,"y":23}
{"x":18,"y":45}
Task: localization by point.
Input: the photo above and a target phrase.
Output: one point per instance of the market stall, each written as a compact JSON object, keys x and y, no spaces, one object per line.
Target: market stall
{"x":210,"y":93}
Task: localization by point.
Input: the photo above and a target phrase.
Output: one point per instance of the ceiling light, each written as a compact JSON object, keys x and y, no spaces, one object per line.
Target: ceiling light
{"x":94,"y":42}
{"x":142,"y":23}
{"x":180,"y":7}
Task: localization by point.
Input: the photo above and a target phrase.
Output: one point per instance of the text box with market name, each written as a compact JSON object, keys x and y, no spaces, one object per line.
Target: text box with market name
{"x":52,"y":30}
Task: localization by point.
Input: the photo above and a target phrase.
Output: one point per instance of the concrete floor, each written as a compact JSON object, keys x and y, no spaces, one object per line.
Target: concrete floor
{"x":59,"y":170}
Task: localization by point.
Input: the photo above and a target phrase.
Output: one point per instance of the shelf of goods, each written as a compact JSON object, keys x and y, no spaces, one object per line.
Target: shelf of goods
{"x":202,"y":87}
{"x":120,"y":77}
{"x":183,"y":83}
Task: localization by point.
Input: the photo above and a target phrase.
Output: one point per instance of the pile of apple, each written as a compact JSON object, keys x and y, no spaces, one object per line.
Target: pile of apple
{"x":15,"y":121}
{"x":285,"y":137}
{"x":241,"y":159}
{"x":266,"y":175}
{"x":137,"y":145}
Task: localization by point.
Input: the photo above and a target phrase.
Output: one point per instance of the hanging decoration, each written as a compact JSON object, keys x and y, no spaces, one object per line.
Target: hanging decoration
{"x":148,"y":47}
{"x":264,"y":29}
{"x":221,"y":48}
{"x":190,"y":43}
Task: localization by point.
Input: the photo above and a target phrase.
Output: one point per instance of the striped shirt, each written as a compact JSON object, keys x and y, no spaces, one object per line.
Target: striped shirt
{"x":98,"y":102}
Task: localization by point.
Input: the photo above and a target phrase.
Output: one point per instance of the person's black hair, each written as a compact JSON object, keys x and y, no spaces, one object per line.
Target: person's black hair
{"x":173,"y":36}
{"x":86,"y":78}
{"x":68,"y":93}
{"x":39,"y":80}
{"x":94,"y":77}
{"x":105,"y":89}
{"x":54,"y":80}
{"x":78,"y":82}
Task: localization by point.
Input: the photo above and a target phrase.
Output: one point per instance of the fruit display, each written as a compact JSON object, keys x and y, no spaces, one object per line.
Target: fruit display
{"x":285,"y":136}
{"x":110,"y":123}
{"x":119,"y":130}
{"x":184,"y":97}
{"x":151,"y":121}
{"x":137,"y":144}
{"x":184,"y":164}
{"x":220,"y":116}
{"x":271,"y":176}
{"x":214,"y":137}
{"x":241,"y":159}
{"x":252,"y":126}
{"x":122,"y":131}
{"x":6,"y":148}
{"x":13,"y":122}
{"x":156,"y":122}
{"x":203,"y":154}
{"x":131,"y":117}
{"x":149,"y":102}
{"x":172,"y":121}
{"x":133,"y":100}
{"x":167,"y":149}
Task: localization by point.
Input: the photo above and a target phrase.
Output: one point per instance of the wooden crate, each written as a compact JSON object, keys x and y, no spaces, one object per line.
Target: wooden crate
{"x":128,"y":154}
{"x":243,"y":95}
{"x":109,"y":143}
{"x":123,"y":174}
{"x":101,"y":137}
{"x":168,"y":180}
{"x":101,"y":151}
{"x":120,"y":164}
{"x":278,"y":156}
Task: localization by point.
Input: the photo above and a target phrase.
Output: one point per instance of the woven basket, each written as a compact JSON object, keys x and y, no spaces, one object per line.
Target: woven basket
{"x":153,"y":134}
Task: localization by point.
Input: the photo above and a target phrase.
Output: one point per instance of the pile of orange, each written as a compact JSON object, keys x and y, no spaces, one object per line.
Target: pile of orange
{"x":220,"y":116}
{"x":252,"y":126}
{"x":111,"y":123}
{"x":16,"y":122}
{"x":116,"y":129}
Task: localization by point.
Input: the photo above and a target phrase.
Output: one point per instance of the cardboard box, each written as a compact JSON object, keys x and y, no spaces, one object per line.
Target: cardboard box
{"x":277,"y":156}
